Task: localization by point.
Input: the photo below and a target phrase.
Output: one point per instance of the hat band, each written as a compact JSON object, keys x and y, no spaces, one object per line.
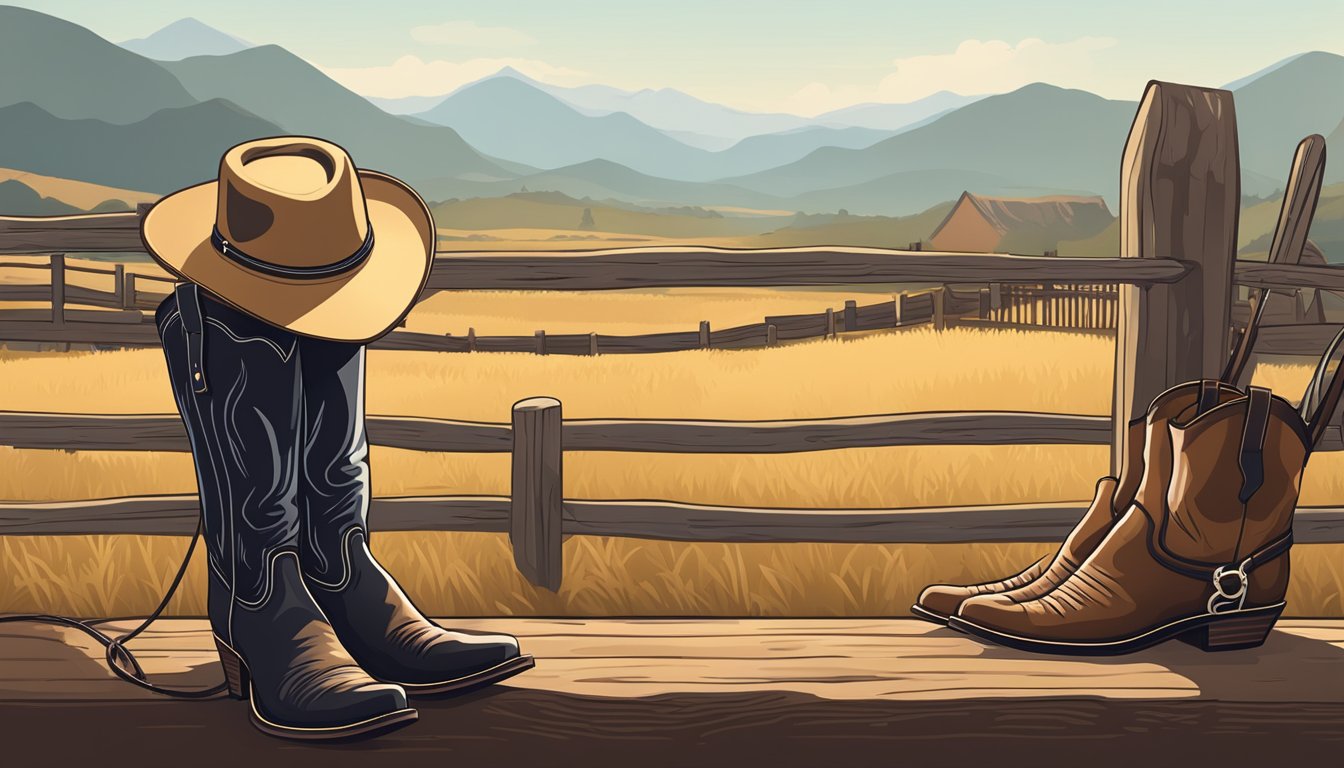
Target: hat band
{"x":242,"y":259}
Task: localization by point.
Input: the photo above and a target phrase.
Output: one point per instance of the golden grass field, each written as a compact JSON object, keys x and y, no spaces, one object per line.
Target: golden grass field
{"x":473,"y":574}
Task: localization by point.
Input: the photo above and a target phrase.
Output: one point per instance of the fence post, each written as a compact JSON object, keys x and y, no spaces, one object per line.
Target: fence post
{"x":900,"y":297}
{"x":592,"y":344}
{"x":119,"y":284}
{"x":771,"y":335}
{"x":851,"y":316}
{"x":1180,"y":190}
{"x":471,"y":339}
{"x":128,"y":291}
{"x":939,"y":308}
{"x":536,"y":501}
{"x":58,"y":289}
{"x":830,"y":320}
{"x":541,"y":342}
{"x":704,"y":334}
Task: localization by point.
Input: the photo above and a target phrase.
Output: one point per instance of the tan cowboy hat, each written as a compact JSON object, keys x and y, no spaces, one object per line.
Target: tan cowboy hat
{"x":291,"y":232}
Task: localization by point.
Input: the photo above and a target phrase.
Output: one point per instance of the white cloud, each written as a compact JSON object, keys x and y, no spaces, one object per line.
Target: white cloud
{"x":413,"y":76}
{"x":975,"y":67}
{"x":469,"y":33}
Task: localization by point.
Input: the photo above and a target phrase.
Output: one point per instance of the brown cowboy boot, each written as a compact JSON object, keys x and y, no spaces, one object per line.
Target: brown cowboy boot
{"x":1203,"y":557}
{"x":939,"y":602}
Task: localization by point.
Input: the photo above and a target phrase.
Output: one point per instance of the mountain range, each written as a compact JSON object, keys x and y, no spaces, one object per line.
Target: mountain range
{"x":183,"y":38}
{"x":90,"y":110}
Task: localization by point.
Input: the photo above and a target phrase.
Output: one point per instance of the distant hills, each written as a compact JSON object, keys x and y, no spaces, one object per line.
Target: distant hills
{"x":269,"y":80}
{"x":170,"y":149}
{"x":183,"y":38}
{"x":72,"y":73}
{"x":86,"y":109}
{"x":507,"y":116}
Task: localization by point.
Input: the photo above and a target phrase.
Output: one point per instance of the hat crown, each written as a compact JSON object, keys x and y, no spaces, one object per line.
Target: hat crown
{"x":292,"y":202}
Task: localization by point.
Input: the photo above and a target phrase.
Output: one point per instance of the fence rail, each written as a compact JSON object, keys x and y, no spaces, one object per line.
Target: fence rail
{"x":642,"y":519}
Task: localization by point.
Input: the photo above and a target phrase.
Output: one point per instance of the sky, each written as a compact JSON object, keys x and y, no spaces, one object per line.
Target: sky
{"x":786,"y":56}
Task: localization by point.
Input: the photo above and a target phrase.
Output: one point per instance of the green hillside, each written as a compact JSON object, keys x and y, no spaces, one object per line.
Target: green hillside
{"x":72,"y":73}
{"x":170,"y":149}
{"x":18,"y":199}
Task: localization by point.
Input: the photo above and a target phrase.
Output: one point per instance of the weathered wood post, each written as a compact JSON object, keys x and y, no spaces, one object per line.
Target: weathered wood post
{"x":119,"y":284}
{"x":541,"y":342}
{"x":996,"y":301}
{"x":704,"y":334}
{"x":830,"y":320}
{"x":899,"y":301}
{"x":939,"y":308}
{"x":128,"y":292}
{"x":771,"y":335}
{"x":58,"y":289}
{"x":592,"y":344}
{"x":537,"y":502}
{"x":471,"y":339}
{"x":1180,"y":192}
{"x":851,"y":315}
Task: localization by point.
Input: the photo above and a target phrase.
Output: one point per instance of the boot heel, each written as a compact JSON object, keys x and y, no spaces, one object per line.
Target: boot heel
{"x":1235,"y":632}
{"x":235,"y":672}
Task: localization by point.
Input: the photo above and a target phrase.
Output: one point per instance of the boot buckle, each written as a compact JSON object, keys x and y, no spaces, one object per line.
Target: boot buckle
{"x":1224,"y":600}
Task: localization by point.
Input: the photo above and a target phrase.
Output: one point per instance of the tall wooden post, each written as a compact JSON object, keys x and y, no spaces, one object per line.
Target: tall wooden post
{"x":536,"y":502}
{"x":1180,"y":193}
{"x":58,"y":288}
{"x":851,"y":316}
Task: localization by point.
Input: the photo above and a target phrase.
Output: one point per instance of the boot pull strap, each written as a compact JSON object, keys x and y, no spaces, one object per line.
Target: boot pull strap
{"x":1319,"y":405}
{"x":193,"y":324}
{"x":1252,"y":457}
{"x":1208,"y":395}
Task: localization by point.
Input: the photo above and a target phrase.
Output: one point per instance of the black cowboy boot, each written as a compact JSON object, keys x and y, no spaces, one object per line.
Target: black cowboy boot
{"x":235,"y":380}
{"x":389,"y":637}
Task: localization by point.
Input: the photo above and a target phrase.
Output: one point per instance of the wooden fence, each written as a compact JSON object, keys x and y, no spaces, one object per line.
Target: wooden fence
{"x":1173,"y":325}
{"x":133,"y":325}
{"x":1052,"y":305}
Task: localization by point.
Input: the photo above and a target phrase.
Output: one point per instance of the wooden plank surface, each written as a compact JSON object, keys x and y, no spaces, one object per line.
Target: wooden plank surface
{"x":832,"y":659}
{"x":782,"y":692}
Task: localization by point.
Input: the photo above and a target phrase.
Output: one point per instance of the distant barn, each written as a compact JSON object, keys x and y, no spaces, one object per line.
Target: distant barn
{"x":1019,"y":225}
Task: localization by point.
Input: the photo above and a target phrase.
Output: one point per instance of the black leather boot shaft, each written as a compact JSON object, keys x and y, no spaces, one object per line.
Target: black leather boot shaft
{"x":371,"y":614}
{"x":236,"y":383}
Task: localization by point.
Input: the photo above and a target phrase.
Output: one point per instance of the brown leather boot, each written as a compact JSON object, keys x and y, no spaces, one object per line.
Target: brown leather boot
{"x":1205,"y":558}
{"x":939,"y":602}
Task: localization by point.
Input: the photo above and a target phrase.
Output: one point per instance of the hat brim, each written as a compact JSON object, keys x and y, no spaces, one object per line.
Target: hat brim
{"x":356,"y":306}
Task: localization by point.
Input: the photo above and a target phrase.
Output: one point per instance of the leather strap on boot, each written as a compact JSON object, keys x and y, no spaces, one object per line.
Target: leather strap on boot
{"x":1251,"y":458}
{"x":193,"y":324}
{"x":1208,"y":395}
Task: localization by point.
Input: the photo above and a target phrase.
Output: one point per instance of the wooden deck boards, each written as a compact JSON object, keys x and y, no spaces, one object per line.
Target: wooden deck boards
{"x":601,"y":688}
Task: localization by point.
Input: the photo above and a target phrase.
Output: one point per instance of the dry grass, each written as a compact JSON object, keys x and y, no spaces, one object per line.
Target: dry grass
{"x":473,"y":574}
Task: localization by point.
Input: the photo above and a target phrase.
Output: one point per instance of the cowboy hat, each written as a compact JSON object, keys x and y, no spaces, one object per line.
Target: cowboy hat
{"x":291,"y":232}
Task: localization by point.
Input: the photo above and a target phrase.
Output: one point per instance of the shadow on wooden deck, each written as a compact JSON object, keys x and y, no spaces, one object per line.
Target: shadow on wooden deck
{"x":784,"y":692}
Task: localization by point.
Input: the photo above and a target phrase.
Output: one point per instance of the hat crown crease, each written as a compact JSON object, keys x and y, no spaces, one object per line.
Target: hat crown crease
{"x":269,"y":204}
